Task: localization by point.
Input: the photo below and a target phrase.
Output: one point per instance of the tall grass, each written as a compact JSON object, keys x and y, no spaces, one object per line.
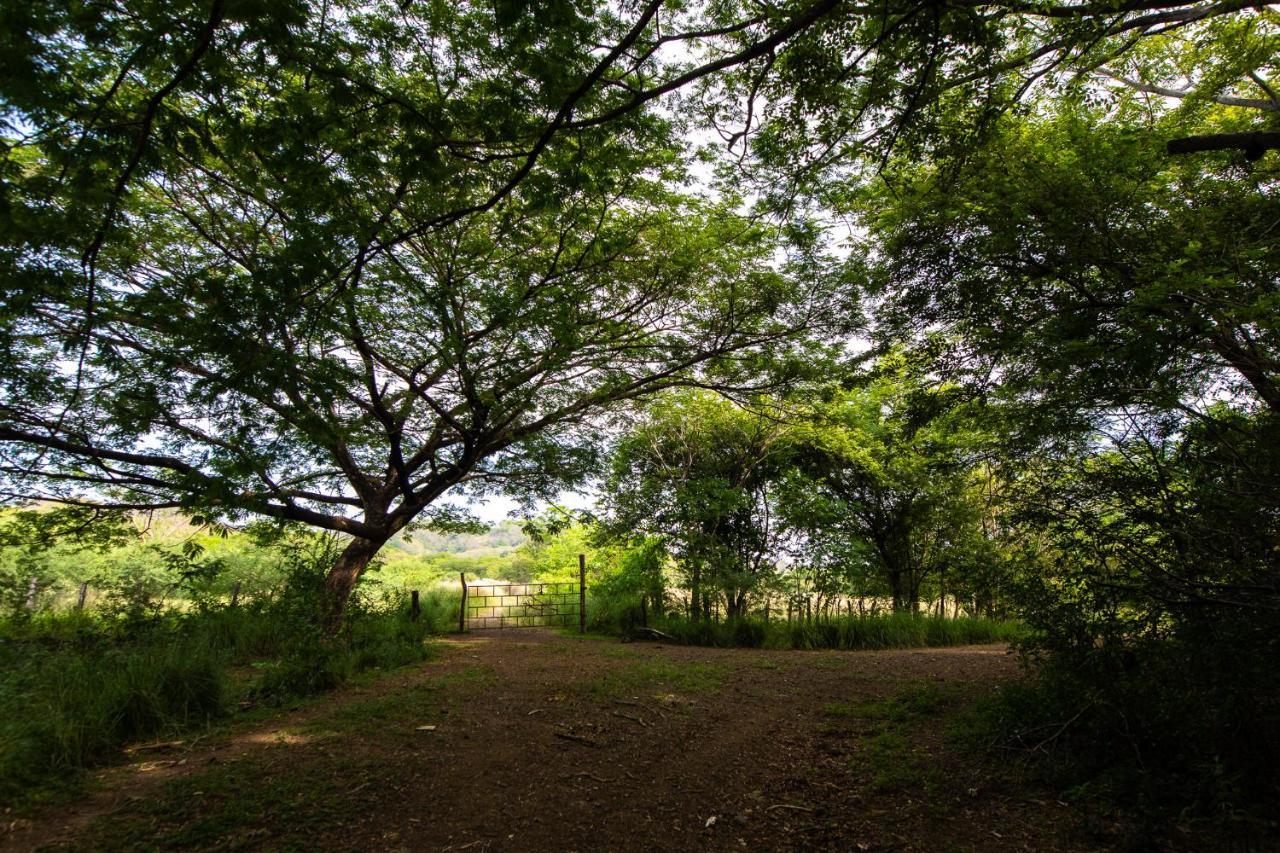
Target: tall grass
{"x":77,"y":687}
{"x":64,"y":709}
{"x":882,"y":631}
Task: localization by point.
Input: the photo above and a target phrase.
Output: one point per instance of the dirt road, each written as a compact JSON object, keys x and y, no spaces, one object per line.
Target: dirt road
{"x":530,"y":740}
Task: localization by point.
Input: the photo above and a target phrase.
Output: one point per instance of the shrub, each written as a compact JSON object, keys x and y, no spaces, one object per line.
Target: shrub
{"x":1167,"y":727}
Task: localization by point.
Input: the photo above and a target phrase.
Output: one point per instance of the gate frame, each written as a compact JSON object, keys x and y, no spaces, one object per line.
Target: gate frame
{"x":563,"y":595}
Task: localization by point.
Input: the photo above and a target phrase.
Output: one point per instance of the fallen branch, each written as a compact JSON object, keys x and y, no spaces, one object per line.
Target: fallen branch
{"x":1051,"y":738}
{"x":652,"y":634}
{"x":156,"y":747}
{"x":789,"y":806}
{"x":582,"y":774}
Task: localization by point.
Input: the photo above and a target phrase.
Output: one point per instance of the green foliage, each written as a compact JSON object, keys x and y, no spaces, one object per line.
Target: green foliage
{"x":1164,"y":728}
{"x":77,"y":686}
{"x":499,"y":539}
{"x":346,"y":270}
{"x":1097,"y":269}
{"x":1153,"y":618}
{"x":699,"y":474}
{"x":1117,"y":305}
{"x":883,"y":487}
{"x":887,"y":631}
{"x":74,"y":706}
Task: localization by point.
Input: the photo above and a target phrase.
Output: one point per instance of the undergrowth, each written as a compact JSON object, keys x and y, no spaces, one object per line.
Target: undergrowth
{"x":882,"y":631}
{"x":77,"y":687}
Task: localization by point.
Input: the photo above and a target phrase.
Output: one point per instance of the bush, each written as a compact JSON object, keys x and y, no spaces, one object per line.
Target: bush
{"x":1166,"y":727}
{"x":1150,"y":588}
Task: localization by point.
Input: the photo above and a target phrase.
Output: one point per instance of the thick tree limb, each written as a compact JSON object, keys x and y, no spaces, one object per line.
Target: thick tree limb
{"x":1253,"y":144}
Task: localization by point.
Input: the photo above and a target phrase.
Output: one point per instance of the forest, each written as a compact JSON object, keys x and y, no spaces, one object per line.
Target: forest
{"x":897,"y":380}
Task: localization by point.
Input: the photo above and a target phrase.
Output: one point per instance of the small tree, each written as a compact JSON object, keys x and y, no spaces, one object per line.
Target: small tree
{"x":699,"y":474}
{"x":883,"y":472}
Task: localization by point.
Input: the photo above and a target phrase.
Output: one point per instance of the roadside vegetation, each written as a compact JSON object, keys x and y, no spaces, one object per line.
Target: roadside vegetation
{"x":79,"y":685}
{"x":883,"y":631}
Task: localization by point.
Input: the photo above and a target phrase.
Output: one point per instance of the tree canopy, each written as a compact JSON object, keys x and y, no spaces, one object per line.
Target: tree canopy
{"x":326,"y":261}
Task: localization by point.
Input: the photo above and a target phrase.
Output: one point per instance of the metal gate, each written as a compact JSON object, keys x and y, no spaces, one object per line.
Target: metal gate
{"x":524,"y":605}
{"x":521,"y":605}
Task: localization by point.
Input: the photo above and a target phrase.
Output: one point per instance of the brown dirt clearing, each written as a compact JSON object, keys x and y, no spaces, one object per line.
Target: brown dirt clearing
{"x":530,"y":740}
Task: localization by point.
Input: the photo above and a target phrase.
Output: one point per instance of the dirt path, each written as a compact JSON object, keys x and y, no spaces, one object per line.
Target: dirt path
{"x":542,"y":742}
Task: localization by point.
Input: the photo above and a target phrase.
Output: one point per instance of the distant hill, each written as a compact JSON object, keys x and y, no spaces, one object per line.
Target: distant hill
{"x":503,"y":538}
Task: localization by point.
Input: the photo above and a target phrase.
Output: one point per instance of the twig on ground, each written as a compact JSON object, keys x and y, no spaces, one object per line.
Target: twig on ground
{"x":154,"y":747}
{"x":585,"y":741}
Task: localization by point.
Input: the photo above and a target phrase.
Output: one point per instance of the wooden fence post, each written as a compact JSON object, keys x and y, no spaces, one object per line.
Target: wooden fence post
{"x":84,"y":591}
{"x":414,"y":608}
{"x":462,"y":608}
{"x":582,"y":593}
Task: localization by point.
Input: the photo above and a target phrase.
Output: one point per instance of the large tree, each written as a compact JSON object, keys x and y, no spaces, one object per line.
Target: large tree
{"x":461,"y":358}
{"x":265,"y":312}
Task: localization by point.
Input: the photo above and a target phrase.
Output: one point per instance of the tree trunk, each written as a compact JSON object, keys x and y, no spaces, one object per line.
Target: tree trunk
{"x":342,"y":578}
{"x":695,"y":598}
{"x":898,"y":589}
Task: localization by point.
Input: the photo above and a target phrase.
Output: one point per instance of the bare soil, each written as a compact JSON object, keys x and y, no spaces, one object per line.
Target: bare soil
{"x":531,"y":740}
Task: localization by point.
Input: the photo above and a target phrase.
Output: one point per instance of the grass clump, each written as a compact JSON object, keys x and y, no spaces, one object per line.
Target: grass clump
{"x":892,"y":753}
{"x":922,"y":699}
{"x":652,"y":676}
{"x":63,"y":710}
